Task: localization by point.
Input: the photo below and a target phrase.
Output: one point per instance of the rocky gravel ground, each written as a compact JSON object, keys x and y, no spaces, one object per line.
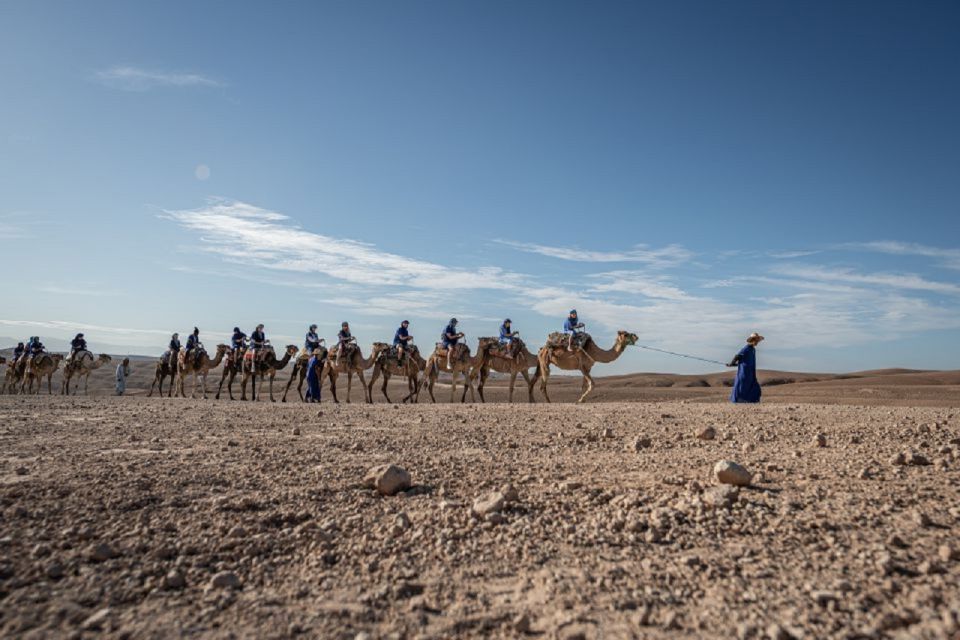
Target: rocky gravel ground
{"x":129,"y":517}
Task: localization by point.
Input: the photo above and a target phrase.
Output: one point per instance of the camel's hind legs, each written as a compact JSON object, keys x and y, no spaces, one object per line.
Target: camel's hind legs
{"x":587,"y":385}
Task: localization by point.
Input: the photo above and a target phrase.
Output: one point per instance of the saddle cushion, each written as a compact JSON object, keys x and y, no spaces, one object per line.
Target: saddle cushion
{"x":558,"y":339}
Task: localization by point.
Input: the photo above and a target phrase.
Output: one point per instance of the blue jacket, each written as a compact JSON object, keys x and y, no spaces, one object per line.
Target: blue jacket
{"x":78,"y":344}
{"x":311,"y":341}
{"x":258,"y":338}
{"x":570,"y":325}
{"x":401,"y":337}
{"x":236,"y":341}
{"x":344,"y":336}
{"x":450,"y":330}
{"x":505,"y":334}
{"x":174,"y":345}
{"x":192,"y":341}
{"x":18,"y":351}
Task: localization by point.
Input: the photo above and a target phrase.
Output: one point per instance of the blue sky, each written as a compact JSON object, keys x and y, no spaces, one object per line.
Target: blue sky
{"x":689,"y":171}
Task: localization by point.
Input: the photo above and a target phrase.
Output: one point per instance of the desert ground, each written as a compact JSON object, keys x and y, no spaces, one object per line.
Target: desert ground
{"x":154,"y":518}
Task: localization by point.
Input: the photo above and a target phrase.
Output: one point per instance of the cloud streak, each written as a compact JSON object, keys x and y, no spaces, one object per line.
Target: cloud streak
{"x":670,"y":255}
{"x":129,"y":78}
{"x":949,"y":258}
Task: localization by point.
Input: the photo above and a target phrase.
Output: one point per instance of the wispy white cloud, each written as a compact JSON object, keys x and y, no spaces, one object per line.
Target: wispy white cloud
{"x":891,"y":280}
{"x":246,"y":234}
{"x":131,"y":78}
{"x":637,"y":283}
{"x":790,"y":255}
{"x":663,"y":257}
{"x":949,"y":257}
{"x":72,"y":326}
{"x":77,"y":291}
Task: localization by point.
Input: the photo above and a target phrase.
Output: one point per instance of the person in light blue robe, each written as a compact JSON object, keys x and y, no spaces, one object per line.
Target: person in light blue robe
{"x":123,"y":370}
{"x":746,"y":388}
{"x":313,"y":379}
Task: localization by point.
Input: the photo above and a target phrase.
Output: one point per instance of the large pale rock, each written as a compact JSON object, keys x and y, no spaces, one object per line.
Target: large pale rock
{"x":225,"y":580}
{"x":387,"y":479}
{"x":489,"y":503}
{"x":721,"y":497}
{"x":729,"y":472}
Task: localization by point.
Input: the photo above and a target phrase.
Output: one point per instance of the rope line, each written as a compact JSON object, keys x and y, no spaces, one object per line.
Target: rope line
{"x":682,"y":355}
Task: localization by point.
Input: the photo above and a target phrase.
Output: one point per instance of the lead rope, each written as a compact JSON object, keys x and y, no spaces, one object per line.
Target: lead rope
{"x":682,"y":355}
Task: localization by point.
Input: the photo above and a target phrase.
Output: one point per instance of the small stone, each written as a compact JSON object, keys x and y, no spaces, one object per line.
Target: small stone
{"x":607,"y":433}
{"x":820,"y":441}
{"x":777,"y":632}
{"x":721,"y":497}
{"x":640,"y":443}
{"x":174,"y":581}
{"x":823,"y":598}
{"x":510,"y":493}
{"x":296,"y":431}
{"x":521,"y":624}
{"x":921,"y":519}
{"x":387,"y":479}
{"x":103,"y":552}
{"x":95,"y":622}
{"x":930,"y":567}
{"x":54,"y":570}
{"x":22,"y":471}
{"x":899,"y":459}
{"x":729,"y":472}
{"x":946,"y":553}
{"x":915,"y":459}
{"x":865,"y":474}
{"x":237,"y":532}
{"x":225,"y":580}
{"x":402,"y":521}
{"x":489,"y":503}
{"x":708,"y":433}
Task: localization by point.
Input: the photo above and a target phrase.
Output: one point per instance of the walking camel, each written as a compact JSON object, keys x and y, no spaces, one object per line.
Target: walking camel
{"x":299,"y":372}
{"x":197,"y":366}
{"x":232,"y":365}
{"x":40,"y":366}
{"x":11,"y":378}
{"x":496,"y":358}
{"x":352,"y":362}
{"x":265,"y":365}
{"x":166,"y":367}
{"x":387,"y":365}
{"x":581,"y":359}
{"x":81,"y":365}
{"x":461,"y":363}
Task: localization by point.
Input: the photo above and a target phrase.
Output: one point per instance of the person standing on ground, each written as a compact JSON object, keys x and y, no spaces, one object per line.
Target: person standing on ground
{"x":746,"y":388}
{"x":123,"y":370}
{"x":313,"y":378}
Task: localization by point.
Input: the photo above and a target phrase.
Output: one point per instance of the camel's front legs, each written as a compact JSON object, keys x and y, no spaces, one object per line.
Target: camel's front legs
{"x":482,"y":374}
{"x":271,"y":388}
{"x":367,"y":393}
{"x":545,"y":376}
{"x":526,"y":377}
{"x":293,"y":374}
{"x":587,"y":382}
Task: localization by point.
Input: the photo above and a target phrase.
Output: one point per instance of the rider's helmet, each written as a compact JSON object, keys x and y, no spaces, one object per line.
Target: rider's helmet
{"x":453,"y":321}
{"x":313,"y":327}
{"x":405,"y":323}
{"x":236,"y":329}
{"x":507,"y":321}
{"x":573,"y":312}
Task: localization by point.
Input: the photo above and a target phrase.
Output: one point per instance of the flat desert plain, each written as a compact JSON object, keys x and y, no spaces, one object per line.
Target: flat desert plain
{"x":154,"y":518}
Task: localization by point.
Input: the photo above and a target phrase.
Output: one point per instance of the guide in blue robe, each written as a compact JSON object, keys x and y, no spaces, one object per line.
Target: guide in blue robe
{"x":313,"y":380}
{"x":746,"y":387}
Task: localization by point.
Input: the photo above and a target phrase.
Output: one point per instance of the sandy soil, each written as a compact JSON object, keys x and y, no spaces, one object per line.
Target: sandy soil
{"x":152,"y":518}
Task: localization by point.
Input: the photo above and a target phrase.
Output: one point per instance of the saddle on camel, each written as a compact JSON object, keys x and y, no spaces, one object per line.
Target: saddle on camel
{"x":558,"y":340}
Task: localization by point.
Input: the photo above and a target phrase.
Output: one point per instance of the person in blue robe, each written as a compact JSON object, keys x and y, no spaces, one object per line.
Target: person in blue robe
{"x":313,"y":379}
{"x":746,"y":388}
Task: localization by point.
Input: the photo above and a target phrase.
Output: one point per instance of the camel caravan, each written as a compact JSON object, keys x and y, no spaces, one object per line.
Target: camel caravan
{"x":257,"y":361}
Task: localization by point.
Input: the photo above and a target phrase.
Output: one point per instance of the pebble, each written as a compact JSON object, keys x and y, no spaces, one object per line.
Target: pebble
{"x":296,"y":431}
{"x":721,"y":497}
{"x":921,"y":519}
{"x":489,"y":503}
{"x":387,"y":479}
{"x":54,"y":570}
{"x":521,"y":624}
{"x":946,"y":553}
{"x":95,"y":622}
{"x":708,"y":433}
{"x":174,"y":580}
{"x":225,"y":579}
{"x":641,"y":442}
{"x":729,"y":472}
{"x":103,"y":552}
{"x":820,"y":441}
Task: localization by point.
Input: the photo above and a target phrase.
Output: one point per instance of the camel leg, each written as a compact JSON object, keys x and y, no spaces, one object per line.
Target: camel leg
{"x":203,"y":385}
{"x":526,"y":377}
{"x":383,"y":389}
{"x":430,"y":381}
{"x":333,"y":389}
{"x":482,"y":375}
{"x":473,"y":396}
{"x":271,"y":389}
{"x":588,"y":383}
{"x":513,"y":382}
{"x":453,"y":385}
{"x":293,"y":374}
{"x":545,"y":376}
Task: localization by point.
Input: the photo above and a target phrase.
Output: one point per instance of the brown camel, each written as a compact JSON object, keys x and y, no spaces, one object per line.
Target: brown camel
{"x":461,"y":363}
{"x":299,"y":372}
{"x":581,"y":359}
{"x":232,"y":365}
{"x":266,"y":365}
{"x":166,"y":367}
{"x":11,"y":377}
{"x":40,"y":365}
{"x":388,"y":365}
{"x":495,"y":357}
{"x":351,"y":363}
{"x":81,"y":365}
{"x":198,"y":367}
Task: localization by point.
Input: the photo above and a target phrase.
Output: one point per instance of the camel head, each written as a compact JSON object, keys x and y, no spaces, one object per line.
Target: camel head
{"x":221,"y":349}
{"x":379,"y":347}
{"x":292,"y":350}
{"x":625,"y":339}
{"x":485,"y":343}
{"x":57,"y":357}
{"x":104,"y":358}
{"x":2,"y":360}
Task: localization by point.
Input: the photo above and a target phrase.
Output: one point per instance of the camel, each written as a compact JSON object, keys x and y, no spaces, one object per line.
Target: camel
{"x":11,"y":377}
{"x":581,"y":359}
{"x":198,"y":368}
{"x":231,"y":367}
{"x":82,"y":365}
{"x":40,"y":365}
{"x":266,"y":365}
{"x":463,"y":364}
{"x":496,"y":358}
{"x":351,"y":363}
{"x":387,"y":365}
{"x":299,"y":372}
{"x":166,"y":367}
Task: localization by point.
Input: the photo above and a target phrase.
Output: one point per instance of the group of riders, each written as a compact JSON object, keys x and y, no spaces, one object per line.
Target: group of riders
{"x":24,"y":353}
{"x":256,"y":344}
